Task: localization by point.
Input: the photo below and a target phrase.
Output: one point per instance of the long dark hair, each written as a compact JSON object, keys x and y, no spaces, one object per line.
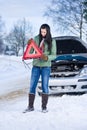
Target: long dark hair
{"x":48,"y":37}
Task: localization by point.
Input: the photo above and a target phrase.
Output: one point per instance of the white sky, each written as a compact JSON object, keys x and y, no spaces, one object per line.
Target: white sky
{"x":32,"y":10}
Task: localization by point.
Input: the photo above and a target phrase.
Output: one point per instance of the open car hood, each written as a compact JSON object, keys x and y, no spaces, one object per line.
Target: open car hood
{"x":70,"y":49}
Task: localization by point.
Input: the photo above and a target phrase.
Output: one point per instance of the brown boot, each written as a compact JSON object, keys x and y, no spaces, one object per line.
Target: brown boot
{"x":44,"y":102}
{"x":31,"y":103}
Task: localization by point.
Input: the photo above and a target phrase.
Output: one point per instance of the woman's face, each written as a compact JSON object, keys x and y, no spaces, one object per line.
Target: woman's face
{"x":43,"y":32}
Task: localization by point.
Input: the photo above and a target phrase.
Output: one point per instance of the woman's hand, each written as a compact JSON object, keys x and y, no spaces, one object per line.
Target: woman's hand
{"x":44,"y":57}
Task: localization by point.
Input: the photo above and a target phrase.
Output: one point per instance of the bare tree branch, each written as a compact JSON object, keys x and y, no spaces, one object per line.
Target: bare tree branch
{"x":67,"y":14}
{"x":19,"y":35}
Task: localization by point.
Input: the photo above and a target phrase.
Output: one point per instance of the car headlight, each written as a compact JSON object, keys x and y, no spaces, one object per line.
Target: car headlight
{"x":83,"y":72}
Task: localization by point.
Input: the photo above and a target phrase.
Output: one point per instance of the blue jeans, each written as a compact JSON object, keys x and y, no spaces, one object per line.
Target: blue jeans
{"x":36,"y":72}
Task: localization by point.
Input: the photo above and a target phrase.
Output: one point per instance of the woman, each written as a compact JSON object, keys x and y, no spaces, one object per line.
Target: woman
{"x":42,"y":67}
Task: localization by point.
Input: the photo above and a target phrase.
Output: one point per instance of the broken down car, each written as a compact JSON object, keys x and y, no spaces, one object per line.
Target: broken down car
{"x":69,"y":69}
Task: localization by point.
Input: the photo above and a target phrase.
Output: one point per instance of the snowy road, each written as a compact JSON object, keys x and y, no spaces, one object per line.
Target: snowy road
{"x":64,"y":113}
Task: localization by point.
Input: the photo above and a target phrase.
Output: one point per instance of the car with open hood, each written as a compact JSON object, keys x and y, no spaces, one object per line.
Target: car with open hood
{"x":69,"y":69}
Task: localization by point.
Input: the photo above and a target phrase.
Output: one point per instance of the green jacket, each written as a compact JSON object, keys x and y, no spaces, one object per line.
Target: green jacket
{"x":51,"y":55}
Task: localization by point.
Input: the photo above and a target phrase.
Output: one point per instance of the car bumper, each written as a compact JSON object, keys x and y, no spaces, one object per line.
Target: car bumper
{"x":65,"y":85}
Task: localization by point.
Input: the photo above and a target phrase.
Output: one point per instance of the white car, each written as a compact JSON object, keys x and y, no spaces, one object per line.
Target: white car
{"x":69,"y":69}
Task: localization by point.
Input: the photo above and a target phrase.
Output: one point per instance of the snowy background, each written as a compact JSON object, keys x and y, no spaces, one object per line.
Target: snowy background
{"x":65,"y":113}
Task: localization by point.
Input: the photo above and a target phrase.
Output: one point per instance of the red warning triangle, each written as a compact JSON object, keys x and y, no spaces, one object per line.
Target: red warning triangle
{"x":32,"y":45}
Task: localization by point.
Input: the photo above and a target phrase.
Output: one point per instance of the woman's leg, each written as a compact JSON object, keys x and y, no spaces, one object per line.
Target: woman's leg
{"x":45,"y":73}
{"x":35,"y":74}
{"x":34,"y":79}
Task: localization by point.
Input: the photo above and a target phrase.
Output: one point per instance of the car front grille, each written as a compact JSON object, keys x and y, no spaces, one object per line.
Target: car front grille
{"x":84,"y":87}
{"x":63,"y":74}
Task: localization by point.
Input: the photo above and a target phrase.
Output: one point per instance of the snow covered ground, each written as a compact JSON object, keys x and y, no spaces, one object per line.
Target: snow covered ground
{"x":65,"y":113}
{"x":13,"y":74}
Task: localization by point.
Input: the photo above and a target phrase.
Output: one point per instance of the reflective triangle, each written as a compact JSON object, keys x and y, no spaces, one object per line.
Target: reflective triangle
{"x":32,"y":46}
